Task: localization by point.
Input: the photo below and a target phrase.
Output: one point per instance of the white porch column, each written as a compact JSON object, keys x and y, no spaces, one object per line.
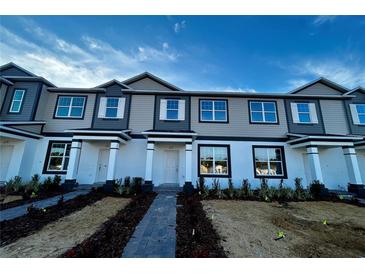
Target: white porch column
{"x":149,"y":163}
{"x":352,"y":165}
{"x":314,"y":164}
{"x":113,"y":154}
{"x":73,"y":163}
{"x":188,"y":162}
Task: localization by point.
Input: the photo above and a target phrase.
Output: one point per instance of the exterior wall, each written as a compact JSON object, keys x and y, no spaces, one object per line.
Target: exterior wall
{"x":43,"y":101}
{"x":319,"y":89}
{"x":304,"y":128}
{"x":361,"y":159}
{"x":172,"y":125}
{"x":147,"y":84}
{"x":334,"y":117}
{"x":59,"y":125}
{"x":239,"y":121}
{"x":141,"y":115}
{"x":31,"y":128}
{"x":3,"y":90}
{"x":29,"y":104}
{"x":104,"y":123}
{"x":360,"y":98}
{"x":13,"y":71}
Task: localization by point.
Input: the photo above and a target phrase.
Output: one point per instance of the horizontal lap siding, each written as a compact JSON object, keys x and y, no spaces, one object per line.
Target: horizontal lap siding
{"x":319,"y":89}
{"x":239,"y":124}
{"x":141,"y":114}
{"x":334,"y":117}
{"x":31,"y":128}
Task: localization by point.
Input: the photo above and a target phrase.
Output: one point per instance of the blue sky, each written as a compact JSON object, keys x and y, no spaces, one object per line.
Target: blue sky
{"x":238,"y":53}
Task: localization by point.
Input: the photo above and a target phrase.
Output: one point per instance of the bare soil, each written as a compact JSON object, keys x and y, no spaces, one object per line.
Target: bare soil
{"x":57,"y":237}
{"x":312,"y":229}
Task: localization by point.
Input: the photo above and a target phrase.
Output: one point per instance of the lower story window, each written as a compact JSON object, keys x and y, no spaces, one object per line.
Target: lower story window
{"x":58,"y":156}
{"x":214,"y":160}
{"x":269,"y":161}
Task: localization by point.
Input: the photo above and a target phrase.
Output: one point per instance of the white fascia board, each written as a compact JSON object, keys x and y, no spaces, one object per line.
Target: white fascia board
{"x":168,"y":133}
{"x":20,"y":132}
{"x":99,"y":138}
{"x":170,"y":140}
{"x":345,"y":138}
{"x":322,"y":144}
{"x":80,"y":131}
{"x":23,"y":123}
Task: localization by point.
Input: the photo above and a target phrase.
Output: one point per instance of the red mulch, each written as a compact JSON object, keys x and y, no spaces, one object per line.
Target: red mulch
{"x":109,"y":241}
{"x":204,"y":241}
{"x":12,"y":230}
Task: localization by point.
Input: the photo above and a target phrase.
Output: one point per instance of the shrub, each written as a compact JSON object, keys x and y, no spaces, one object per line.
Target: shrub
{"x":57,"y":180}
{"x":201,"y":188}
{"x":118,"y":187}
{"x":316,"y":189}
{"x":285,"y":194}
{"x":32,"y":188}
{"x":246,"y":191}
{"x":35,"y":213}
{"x":230,"y":191}
{"x":264,"y":189}
{"x":14,"y":186}
{"x":216,"y":191}
{"x":127,"y":181}
{"x":51,"y":185}
{"x":137,"y":185}
{"x":300,"y":194}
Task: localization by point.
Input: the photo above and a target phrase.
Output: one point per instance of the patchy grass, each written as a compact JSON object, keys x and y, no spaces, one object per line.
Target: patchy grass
{"x":310,"y":229}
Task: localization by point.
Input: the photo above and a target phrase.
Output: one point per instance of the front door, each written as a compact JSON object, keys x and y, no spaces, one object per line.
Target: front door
{"x":172,"y":167}
{"x":102,"y":167}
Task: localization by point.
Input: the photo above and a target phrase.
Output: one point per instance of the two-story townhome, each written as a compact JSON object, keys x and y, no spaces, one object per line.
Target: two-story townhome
{"x":147,"y":127}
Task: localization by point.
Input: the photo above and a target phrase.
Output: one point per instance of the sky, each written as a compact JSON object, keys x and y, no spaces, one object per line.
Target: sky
{"x":217,"y":53}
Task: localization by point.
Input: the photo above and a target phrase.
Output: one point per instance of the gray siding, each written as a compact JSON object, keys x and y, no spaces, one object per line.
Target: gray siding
{"x":112,"y":91}
{"x":319,"y":89}
{"x":3,"y":89}
{"x":30,"y":128}
{"x":141,"y":114}
{"x":29,"y":101}
{"x":172,"y":125}
{"x":13,"y":71}
{"x":304,"y":128}
{"x":148,"y":84}
{"x":43,"y":100}
{"x":334,"y":117}
{"x":59,"y":125}
{"x":360,"y":98}
{"x":239,"y":121}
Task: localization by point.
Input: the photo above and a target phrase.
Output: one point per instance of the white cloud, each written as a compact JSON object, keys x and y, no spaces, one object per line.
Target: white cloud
{"x":179,"y":26}
{"x":322,"y":19}
{"x":296,"y":83}
{"x":232,"y":89}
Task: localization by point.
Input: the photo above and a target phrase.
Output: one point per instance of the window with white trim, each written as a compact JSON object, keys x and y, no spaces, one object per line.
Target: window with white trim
{"x":268,"y":161}
{"x":360,"y":108}
{"x":172,"y":109}
{"x":263,"y":112}
{"x":58,"y":158}
{"x":70,"y":107}
{"x":304,"y":114}
{"x":111,"y":108}
{"x":17,"y":101}
{"x":213,"y":110}
{"x":213,"y":160}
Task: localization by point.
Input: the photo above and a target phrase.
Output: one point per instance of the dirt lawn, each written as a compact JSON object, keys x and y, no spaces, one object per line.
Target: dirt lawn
{"x":249,"y":229}
{"x":57,"y":237}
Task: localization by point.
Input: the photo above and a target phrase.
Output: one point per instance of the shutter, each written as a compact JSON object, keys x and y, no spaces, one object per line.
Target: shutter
{"x":181,"y":115}
{"x":121,"y":107}
{"x":102,"y":107}
{"x":313,"y":113}
{"x":354,"y":114}
{"x":294,"y":113}
{"x":163,"y":109}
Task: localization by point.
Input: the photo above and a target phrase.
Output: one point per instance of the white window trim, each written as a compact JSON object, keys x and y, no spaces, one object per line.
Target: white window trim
{"x":218,"y":174}
{"x":17,"y":100}
{"x":106,"y":107}
{"x":263,"y":112}
{"x":213,"y":111}
{"x":70,"y":107}
{"x":63,"y":157}
{"x":268,"y":162}
{"x":177,"y":109}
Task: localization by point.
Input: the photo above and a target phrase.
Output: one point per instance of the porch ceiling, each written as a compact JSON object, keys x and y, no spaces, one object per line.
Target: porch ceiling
{"x":323,"y":141}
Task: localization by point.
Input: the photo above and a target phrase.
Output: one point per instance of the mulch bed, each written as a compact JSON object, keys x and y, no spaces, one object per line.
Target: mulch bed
{"x":40,"y":196}
{"x":109,"y":241}
{"x":195,"y":235}
{"x":12,"y":230}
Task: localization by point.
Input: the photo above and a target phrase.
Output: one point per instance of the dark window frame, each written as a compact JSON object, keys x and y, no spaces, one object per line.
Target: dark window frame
{"x":282,"y":149}
{"x":213,"y":121}
{"x":229,"y":174}
{"x":22,"y":102}
{"x":48,"y":154}
{"x":70,"y":118}
{"x":358,"y":103}
{"x":263,"y":123}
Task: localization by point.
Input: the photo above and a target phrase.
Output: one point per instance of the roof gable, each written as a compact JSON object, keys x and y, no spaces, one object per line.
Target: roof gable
{"x":11,"y":69}
{"x":113,"y":82}
{"x":321,"y":86}
{"x":148,"y":81}
{"x":358,"y":89}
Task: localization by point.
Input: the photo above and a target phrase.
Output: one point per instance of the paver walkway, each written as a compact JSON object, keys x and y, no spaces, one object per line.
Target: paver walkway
{"x":155,"y":235}
{"x":18,"y":211}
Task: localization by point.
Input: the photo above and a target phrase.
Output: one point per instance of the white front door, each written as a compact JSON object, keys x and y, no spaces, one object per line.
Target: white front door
{"x":172,"y":166}
{"x":6,"y":152}
{"x":102,"y":167}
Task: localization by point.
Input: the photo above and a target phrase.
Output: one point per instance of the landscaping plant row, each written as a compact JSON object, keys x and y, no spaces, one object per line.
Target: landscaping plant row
{"x":111,"y":238}
{"x":35,"y":219}
{"x":31,"y":191}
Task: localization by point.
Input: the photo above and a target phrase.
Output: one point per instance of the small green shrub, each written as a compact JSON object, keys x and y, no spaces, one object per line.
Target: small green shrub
{"x":127,"y":181}
{"x":230,"y":191}
{"x":264,"y":190}
{"x":216,"y":191}
{"x":284,"y":194}
{"x":14,"y":186}
{"x":246,"y":191}
{"x":32,"y":188}
{"x":300,"y":194}
{"x":201,"y":188}
{"x":51,"y":184}
{"x":137,"y":185}
{"x":316,"y":188}
{"x":119,"y":187}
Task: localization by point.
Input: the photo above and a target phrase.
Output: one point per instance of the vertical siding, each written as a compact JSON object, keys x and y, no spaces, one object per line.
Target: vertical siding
{"x":59,"y":125}
{"x":360,"y":99}
{"x":3,"y":89}
{"x":148,"y":84}
{"x":239,"y":125}
{"x":141,"y":115}
{"x":319,"y":89}
{"x":334,"y":117}
{"x":43,"y":99}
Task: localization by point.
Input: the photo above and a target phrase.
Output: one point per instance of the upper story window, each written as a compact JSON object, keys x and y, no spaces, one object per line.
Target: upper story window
{"x":304,"y":113}
{"x":269,"y":161}
{"x":213,"y":111}
{"x":214,"y":160}
{"x":58,"y":156}
{"x":111,"y":107}
{"x":17,"y":101}
{"x":263,"y":112}
{"x":358,"y":113}
{"x":70,"y":107}
{"x":172,"y":109}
